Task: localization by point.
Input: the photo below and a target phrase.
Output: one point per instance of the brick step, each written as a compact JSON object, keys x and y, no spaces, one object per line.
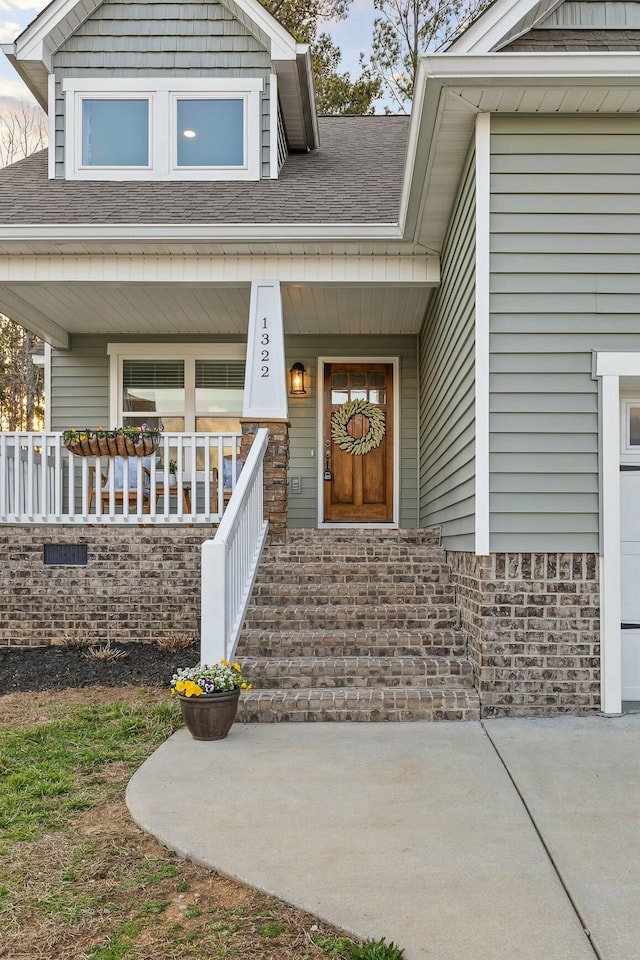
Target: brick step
{"x":373,"y":571}
{"x":359,"y":704}
{"x":351,"y":643}
{"x":352,"y":553}
{"x":295,"y":672}
{"x":389,"y":616}
{"x":345,"y":594}
{"x":351,"y":535}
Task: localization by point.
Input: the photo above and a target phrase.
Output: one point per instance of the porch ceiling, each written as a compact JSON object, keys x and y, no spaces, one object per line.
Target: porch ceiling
{"x":56,"y":310}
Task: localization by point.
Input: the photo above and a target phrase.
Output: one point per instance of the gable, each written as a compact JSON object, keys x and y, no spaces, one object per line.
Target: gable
{"x":505,"y":22}
{"x":140,"y":37}
{"x":583,"y":25}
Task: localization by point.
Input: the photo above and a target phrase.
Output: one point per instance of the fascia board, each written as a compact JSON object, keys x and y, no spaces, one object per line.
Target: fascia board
{"x":31,"y":45}
{"x":497,"y":22}
{"x":525,"y":69}
{"x":218,"y":232}
{"x":422,"y":134}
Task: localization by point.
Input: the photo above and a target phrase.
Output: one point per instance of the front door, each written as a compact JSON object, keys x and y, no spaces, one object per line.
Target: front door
{"x":630,"y":581}
{"x":358,"y":442}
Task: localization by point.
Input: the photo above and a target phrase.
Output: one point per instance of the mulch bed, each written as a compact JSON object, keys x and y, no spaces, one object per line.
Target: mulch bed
{"x":58,"y":668}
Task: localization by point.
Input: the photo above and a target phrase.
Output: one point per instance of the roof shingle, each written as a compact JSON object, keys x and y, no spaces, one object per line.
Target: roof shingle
{"x":354,"y":177}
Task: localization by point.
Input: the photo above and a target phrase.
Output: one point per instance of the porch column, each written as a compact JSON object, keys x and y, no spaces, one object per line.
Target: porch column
{"x":265,"y":397}
{"x":276,"y":465}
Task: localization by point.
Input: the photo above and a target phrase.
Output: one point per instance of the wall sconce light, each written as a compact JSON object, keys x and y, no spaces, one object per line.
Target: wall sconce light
{"x":296,"y":381}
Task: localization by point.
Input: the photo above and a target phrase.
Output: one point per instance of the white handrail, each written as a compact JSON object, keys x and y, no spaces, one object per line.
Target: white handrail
{"x":230,"y":561}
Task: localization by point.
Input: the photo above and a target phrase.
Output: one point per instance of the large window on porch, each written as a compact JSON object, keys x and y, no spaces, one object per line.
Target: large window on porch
{"x":186,"y":395}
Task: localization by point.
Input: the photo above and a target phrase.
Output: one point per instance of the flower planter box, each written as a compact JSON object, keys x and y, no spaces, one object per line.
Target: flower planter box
{"x":119,"y":446}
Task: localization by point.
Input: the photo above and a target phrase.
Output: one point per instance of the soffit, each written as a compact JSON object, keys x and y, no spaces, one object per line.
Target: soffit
{"x":456,"y":89}
{"x":202,"y":309}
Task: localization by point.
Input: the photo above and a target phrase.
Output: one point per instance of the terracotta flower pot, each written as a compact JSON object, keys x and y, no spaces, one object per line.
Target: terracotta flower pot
{"x":210,"y":716}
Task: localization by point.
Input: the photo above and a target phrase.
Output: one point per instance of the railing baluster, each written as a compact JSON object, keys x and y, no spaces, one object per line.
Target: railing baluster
{"x":4,"y":476}
{"x":17,"y":478}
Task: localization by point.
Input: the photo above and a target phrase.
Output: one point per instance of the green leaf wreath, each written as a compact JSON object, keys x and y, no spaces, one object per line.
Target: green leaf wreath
{"x":358,"y":445}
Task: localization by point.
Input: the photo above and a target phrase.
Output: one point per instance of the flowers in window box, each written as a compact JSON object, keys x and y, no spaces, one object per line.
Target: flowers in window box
{"x":204,"y":680}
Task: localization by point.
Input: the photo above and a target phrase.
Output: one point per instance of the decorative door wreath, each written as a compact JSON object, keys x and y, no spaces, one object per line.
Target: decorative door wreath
{"x":358,"y":445}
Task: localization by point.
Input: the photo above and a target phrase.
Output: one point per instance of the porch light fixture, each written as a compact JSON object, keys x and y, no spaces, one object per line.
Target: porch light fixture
{"x":296,"y":381}
{"x":189,"y":134}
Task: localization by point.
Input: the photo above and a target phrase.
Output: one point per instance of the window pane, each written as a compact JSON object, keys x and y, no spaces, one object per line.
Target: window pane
{"x":170,"y":424}
{"x":218,"y":425}
{"x":115,"y":133}
{"x":210,"y":133}
{"x":153,"y":386}
{"x":219,"y":386}
{"x":634,"y":426}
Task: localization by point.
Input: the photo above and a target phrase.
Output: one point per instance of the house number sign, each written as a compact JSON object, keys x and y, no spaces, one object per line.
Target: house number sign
{"x":265,"y":391}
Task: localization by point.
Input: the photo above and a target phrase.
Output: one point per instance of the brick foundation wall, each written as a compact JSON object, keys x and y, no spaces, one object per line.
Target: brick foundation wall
{"x":139,"y":583}
{"x":533,"y":630}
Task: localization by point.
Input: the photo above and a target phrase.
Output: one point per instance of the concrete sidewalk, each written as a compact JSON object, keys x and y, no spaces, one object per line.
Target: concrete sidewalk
{"x":415,"y":831}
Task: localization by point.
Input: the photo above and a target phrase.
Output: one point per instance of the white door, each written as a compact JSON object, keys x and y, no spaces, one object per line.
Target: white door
{"x":630,"y":581}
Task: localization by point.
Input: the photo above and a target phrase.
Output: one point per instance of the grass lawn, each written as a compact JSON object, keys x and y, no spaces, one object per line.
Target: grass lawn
{"x":80,"y":881}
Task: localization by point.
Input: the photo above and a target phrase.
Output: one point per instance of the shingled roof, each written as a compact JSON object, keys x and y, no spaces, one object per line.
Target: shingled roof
{"x":570,"y":40}
{"x":354,"y":177}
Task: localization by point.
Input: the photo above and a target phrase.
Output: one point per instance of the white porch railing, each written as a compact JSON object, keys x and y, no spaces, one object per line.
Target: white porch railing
{"x":230,"y":561}
{"x":42,"y":482}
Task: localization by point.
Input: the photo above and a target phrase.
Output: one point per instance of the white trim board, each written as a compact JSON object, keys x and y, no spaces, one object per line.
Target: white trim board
{"x":610,"y":367}
{"x":396,"y":270}
{"x":395,"y":362}
{"x":482,"y":267}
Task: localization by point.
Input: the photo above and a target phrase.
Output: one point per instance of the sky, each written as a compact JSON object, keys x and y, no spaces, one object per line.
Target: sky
{"x":352,"y":36}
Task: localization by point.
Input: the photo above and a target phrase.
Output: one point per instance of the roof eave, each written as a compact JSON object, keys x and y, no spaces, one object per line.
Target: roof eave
{"x":227,"y":232}
{"x":442,"y":83}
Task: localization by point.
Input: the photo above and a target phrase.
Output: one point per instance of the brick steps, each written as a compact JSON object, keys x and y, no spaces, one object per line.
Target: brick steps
{"x":342,"y":594}
{"x":355,"y":643}
{"x":355,"y":625}
{"x":359,"y":704}
{"x":363,"y":616}
{"x":334,"y":672}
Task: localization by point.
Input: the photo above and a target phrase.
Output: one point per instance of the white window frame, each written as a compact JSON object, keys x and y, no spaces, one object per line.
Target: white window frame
{"x":628,"y":453}
{"x":162,"y":96}
{"x":189,"y":353}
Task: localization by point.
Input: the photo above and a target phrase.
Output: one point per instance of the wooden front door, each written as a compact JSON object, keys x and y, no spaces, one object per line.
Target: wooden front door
{"x":358,"y":486}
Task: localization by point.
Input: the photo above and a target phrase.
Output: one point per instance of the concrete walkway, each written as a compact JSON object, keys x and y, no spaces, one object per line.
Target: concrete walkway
{"x":416,"y":831}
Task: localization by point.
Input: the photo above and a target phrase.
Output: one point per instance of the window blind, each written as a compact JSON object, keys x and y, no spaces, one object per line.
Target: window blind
{"x":220,"y":374}
{"x":150,"y":374}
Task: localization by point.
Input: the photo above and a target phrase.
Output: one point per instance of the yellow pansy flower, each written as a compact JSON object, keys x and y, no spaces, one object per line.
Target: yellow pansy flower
{"x":237,"y":667}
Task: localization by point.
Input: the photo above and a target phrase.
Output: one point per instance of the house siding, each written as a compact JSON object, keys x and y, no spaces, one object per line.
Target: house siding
{"x":80,"y":384}
{"x":159,"y":39}
{"x":303,"y":415}
{"x":447,"y":383}
{"x":565,"y":281}
{"x":594,"y":13}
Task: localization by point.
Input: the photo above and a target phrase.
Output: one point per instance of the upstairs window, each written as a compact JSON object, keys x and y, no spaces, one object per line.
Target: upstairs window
{"x":115,"y":132}
{"x":131,"y":129}
{"x":210,"y":133}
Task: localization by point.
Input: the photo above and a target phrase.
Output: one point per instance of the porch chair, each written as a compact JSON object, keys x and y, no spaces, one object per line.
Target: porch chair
{"x":116,"y":464}
{"x":227,"y":471}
